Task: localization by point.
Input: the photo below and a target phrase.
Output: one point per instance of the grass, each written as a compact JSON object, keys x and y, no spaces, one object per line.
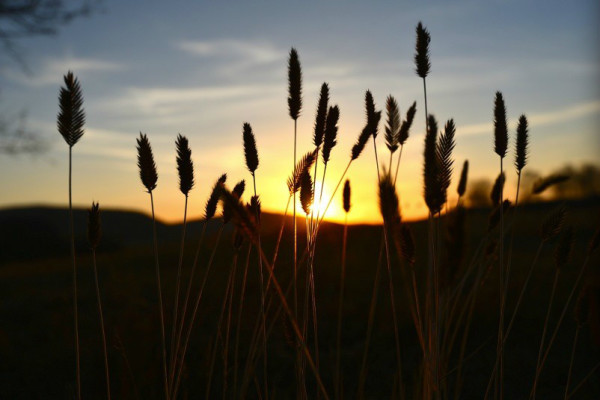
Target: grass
{"x":442,"y":336}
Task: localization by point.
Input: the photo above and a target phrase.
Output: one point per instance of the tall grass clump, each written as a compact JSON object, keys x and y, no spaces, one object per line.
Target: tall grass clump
{"x":70,"y":121}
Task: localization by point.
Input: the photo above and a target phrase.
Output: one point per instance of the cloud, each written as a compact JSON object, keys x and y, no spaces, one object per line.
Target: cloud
{"x":52,"y":70}
{"x":236,"y":54}
{"x":539,"y":119}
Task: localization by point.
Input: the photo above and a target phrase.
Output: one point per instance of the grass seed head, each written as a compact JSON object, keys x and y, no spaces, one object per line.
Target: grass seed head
{"x":71,"y":115}
{"x":146,"y":164}
{"x":94,"y":231}
{"x":500,"y":129}
{"x":250,"y":151}
{"x":294,"y":85}
{"x":185,"y":166}
{"x":321,"y":115}
{"x":422,"y":62}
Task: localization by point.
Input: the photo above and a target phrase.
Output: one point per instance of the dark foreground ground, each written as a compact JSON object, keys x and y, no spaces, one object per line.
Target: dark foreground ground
{"x":37,"y":357}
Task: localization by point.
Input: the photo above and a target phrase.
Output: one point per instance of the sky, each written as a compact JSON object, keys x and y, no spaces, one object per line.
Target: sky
{"x":202,"y":69}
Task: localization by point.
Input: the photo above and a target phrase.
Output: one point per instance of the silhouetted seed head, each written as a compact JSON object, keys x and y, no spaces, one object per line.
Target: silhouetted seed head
{"x":94,"y":232}
{"x":294,"y":85}
{"x":407,"y":243}
{"x":346,"y":196}
{"x":444,"y":158}
{"x":500,"y":130}
{"x":146,"y":163}
{"x":542,"y":184}
{"x":369,"y":106}
{"x":392,"y":127}
{"x":522,"y":144}
{"x":495,"y":215}
{"x":553,"y":223}
{"x":321,"y":115}
{"x":422,"y":51}
{"x":431,"y":171}
{"x":407,"y":123}
{"x":462,"y":183}
{"x":388,"y":200}
{"x":213,"y":199}
{"x":235,"y":210}
{"x":595,"y":242}
{"x":302,"y":165}
{"x":254,"y":208}
{"x":331,"y":130}
{"x":71,"y":116}
{"x":562,"y":254}
{"x":250,"y":148}
{"x":306,"y":191}
{"x":185,"y":166}
{"x":361,"y":141}
{"x":496,"y":194}
{"x":237,"y":192}
{"x":374,"y":124}
{"x":582,"y":307}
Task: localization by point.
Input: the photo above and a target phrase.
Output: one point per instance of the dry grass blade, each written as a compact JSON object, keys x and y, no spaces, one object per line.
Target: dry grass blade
{"x":431,"y":173}
{"x":211,"y":204}
{"x":331,"y":131}
{"x":237,"y":192}
{"x":321,"y":115}
{"x":553,"y":223}
{"x":562,"y":254}
{"x":185,"y":166}
{"x":462,"y":183}
{"x":303,"y":165}
{"x":444,"y":158}
{"x":346,"y":196}
{"x":94,"y":231}
{"x":422,"y":51}
{"x":71,"y":116}
{"x":250,"y":151}
{"x":306,"y":192}
{"x":294,"y":85}
{"x":521,"y":147}
{"x":146,"y":164}
{"x":542,"y":184}
{"x":392,"y":127}
{"x":500,"y":129}
{"x":497,"y":189}
{"x":407,"y":123}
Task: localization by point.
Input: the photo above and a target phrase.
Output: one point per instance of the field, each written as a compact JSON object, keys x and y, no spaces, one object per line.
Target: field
{"x":36,"y":336}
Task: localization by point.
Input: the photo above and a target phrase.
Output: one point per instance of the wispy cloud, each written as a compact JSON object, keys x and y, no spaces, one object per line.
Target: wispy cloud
{"x":53,"y":69}
{"x":540,"y":119}
{"x":236,"y":54}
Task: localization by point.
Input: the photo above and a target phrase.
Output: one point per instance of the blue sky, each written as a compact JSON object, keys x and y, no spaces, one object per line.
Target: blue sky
{"x":202,"y":69}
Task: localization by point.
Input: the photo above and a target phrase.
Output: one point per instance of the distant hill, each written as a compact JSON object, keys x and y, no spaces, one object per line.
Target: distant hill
{"x":42,"y":232}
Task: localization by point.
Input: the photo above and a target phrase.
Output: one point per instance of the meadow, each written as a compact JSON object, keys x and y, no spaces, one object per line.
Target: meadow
{"x":498,"y":302}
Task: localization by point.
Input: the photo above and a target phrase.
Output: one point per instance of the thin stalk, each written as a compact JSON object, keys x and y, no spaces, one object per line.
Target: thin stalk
{"x":314,"y":189}
{"x":553,"y":291}
{"x":512,"y":320}
{"x":262,"y":297}
{"x":372,"y":308}
{"x":295,"y":233}
{"x":294,"y":324}
{"x":76,"y":313}
{"x":397,"y":164}
{"x":228,"y":329}
{"x":178,"y":285}
{"x":584,"y":380}
{"x":186,"y":342}
{"x":500,"y":349}
{"x":102,"y":329}
{"x":338,"y":380}
{"x":571,"y":362}
{"x":160,"y":300}
{"x":188,"y":292}
{"x":562,"y":316}
{"x":219,"y":324}
{"x":239,"y":323}
{"x":276,"y":252}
